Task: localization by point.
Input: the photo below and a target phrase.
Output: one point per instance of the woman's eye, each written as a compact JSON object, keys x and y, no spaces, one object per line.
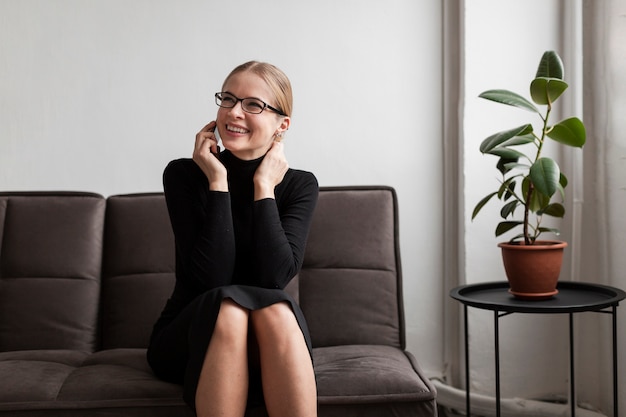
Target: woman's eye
{"x":255,"y":105}
{"x":227,"y":100}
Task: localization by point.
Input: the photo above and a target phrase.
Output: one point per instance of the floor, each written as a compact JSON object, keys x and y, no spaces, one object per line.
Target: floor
{"x":445,"y":412}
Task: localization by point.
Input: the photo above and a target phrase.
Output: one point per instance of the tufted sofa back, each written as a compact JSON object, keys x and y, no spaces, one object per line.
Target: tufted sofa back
{"x":137,"y":270}
{"x":50,"y":261}
{"x":81,"y":272}
{"x":350,"y":283}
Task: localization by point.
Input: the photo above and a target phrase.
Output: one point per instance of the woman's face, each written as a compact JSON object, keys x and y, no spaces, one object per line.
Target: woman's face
{"x":249,"y":136}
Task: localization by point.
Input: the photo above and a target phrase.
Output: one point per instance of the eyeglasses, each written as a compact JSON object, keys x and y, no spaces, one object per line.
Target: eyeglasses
{"x":248,"y":104}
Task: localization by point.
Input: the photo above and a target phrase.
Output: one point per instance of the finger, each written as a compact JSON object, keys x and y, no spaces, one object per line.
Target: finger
{"x":277,"y":147}
{"x":209,"y":127}
{"x":205,"y":137}
{"x":212,"y":145}
{"x":205,"y":146}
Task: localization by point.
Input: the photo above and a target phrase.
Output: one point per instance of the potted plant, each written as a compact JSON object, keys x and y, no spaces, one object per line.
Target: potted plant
{"x":530,"y":182}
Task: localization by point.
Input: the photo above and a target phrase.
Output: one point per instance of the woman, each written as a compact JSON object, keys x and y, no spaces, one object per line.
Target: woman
{"x":229,"y":332}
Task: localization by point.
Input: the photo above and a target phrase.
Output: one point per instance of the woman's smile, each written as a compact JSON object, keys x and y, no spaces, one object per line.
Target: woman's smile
{"x":236,"y":129}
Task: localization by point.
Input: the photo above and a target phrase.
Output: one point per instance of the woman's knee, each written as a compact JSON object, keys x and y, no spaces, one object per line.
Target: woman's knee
{"x":276,"y":320}
{"x":232,"y":321}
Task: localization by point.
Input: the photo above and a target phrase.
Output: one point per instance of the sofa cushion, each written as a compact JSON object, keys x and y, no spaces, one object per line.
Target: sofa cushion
{"x":370,"y":380}
{"x":35,"y":375}
{"x":138,"y":254}
{"x":50,"y":260}
{"x":351,"y":274}
{"x":116,"y":374}
{"x":368,"y":374}
{"x":62,"y":383}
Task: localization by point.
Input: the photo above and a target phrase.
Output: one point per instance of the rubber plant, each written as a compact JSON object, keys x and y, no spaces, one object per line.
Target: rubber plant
{"x":530,"y":181}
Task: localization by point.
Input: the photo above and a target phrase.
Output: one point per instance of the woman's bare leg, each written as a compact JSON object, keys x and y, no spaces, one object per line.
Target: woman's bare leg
{"x":286,"y":368}
{"x":223,"y":385}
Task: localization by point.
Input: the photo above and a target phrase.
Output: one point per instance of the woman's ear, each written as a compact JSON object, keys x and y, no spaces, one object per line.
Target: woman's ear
{"x":283,"y":127}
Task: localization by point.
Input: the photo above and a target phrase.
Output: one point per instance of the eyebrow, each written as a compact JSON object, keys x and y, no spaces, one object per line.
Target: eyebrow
{"x":243,"y":98}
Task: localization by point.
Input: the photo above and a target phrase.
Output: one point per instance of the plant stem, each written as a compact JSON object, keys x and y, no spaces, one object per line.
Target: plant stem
{"x":527,"y":214}
{"x":527,"y":238}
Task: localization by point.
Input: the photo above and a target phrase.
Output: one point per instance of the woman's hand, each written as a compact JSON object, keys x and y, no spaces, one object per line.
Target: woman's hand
{"x":205,"y":156}
{"x":271,"y":172}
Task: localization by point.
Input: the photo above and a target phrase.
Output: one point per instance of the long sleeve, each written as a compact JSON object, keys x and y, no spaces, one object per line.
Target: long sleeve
{"x":281,"y":229}
{"x":202,"y":225}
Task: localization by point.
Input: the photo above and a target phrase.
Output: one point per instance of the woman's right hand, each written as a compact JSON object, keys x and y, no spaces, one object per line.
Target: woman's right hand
{"x":205,"y":156}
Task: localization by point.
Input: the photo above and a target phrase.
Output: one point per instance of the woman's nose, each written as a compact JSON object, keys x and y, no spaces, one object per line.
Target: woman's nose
{"x":237,"y":109}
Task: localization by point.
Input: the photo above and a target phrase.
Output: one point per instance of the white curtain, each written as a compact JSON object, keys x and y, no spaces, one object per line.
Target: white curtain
{"x":603,"y":249}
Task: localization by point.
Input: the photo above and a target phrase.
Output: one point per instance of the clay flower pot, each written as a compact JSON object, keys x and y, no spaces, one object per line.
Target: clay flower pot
{"x":533,"y":270}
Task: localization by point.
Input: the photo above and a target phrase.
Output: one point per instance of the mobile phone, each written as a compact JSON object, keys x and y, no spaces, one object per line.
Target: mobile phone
{"x":218,"y":139}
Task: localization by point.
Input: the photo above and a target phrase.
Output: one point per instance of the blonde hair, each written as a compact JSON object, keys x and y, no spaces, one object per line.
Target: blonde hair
{"x":275,"y":79}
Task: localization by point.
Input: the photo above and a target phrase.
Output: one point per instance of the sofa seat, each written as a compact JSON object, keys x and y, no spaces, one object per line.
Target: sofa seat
{"x":367,"y":374}
{"x":369,"y":380}
{"x":65,"y":382}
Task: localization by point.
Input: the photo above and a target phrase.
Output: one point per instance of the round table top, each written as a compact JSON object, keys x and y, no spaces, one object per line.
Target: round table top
{"x":572,"y":297}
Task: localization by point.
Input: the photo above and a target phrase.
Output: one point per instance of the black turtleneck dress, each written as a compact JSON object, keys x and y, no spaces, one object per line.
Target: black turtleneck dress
{"x":227,"y":246}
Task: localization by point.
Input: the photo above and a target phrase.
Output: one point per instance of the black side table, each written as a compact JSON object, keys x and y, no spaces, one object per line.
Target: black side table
{"x":573,"y":297}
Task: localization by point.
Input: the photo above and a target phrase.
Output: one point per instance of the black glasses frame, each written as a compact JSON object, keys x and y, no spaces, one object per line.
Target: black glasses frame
{"x":218,"y":101}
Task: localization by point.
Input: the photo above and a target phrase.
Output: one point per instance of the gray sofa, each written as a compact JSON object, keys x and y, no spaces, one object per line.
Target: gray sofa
{"x":83,"y":278}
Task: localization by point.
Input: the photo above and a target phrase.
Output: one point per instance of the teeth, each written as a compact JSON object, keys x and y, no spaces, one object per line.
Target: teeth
{"x":236,"y":129}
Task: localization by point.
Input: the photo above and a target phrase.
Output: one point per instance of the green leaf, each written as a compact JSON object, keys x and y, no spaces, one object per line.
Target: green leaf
{"x":509,"y":98}
{"x":481,"y":204}
{"x":525,"y":188}
{"x":506,"y":188}
{"x":498,"y":138}
{"x":562,"y":185}
{"x":504,"y":165}
{"x":563,"y":180}
{"x":545,"y":175}
{"x":547,"y":90}
{"x":550,"y":66}
{"x":549,"y":230}
{"x":569,"y":132}
{"x":506,"y":153}
{"x":554,"y":210}
{"x":510,"y":191}
{"x":504,"y":227}
{"x":515,"y":165}
{"x":538,"y":202}
{"x":509,"y":209}
{"x":519,"y":140}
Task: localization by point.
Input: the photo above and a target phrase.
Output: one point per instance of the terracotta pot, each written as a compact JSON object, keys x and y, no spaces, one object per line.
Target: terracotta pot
{"x":533,"y":270}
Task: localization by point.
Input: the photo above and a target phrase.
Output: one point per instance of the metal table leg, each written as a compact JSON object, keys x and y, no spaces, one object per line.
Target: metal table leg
{"x":467,"y":367}
{"x":497,"y":357}
{"x":615,"y":401}
{"x":572,"y":370}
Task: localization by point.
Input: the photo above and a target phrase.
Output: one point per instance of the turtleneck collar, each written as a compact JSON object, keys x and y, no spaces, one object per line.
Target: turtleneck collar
{"x":235,"y":165}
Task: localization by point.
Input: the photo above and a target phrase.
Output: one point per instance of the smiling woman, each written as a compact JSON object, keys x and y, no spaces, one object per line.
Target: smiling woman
{"x":229,"y":332}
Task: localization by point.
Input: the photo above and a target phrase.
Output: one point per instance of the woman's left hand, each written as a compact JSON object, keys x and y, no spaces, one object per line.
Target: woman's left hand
{"x":271,"y":172}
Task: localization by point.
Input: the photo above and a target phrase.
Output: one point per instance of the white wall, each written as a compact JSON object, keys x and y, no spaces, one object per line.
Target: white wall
{"x":98,"y":95}
{"x":604,"y":228}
